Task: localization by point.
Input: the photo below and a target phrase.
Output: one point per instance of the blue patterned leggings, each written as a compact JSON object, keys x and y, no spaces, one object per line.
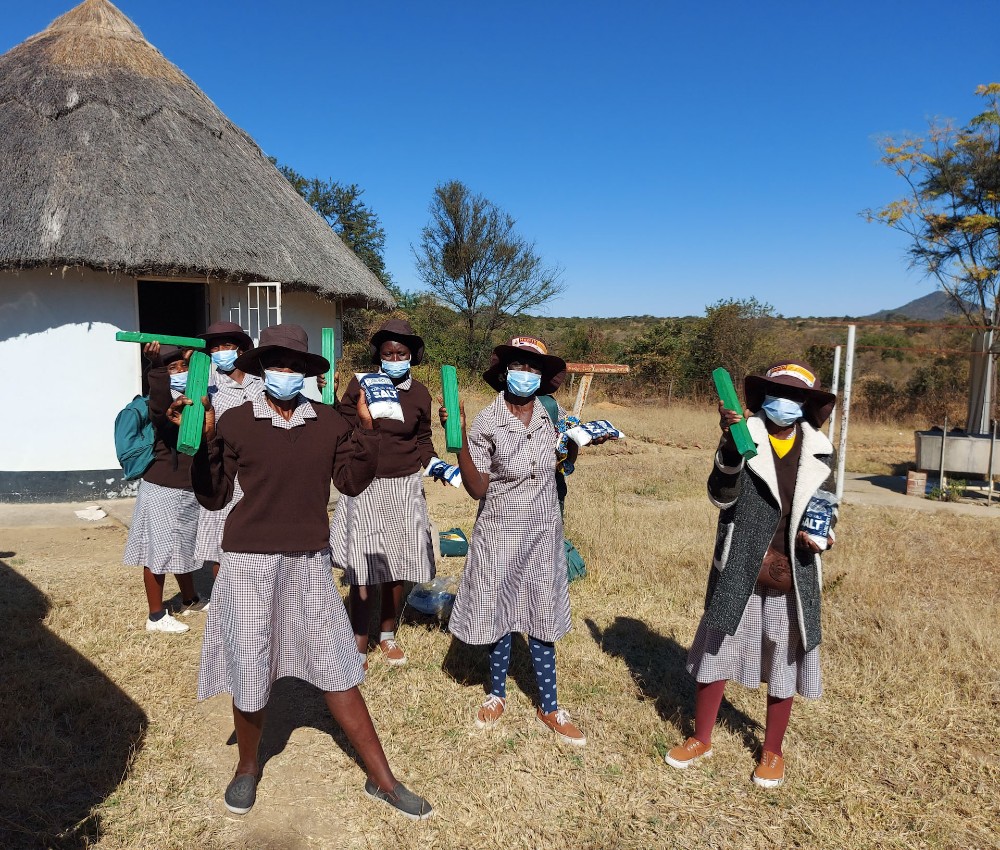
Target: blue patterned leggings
{"x":543,"y":659}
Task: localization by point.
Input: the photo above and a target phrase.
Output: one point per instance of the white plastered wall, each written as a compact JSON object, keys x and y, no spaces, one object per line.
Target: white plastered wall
{"x":59,"y":358}
{"x":314,"y":314}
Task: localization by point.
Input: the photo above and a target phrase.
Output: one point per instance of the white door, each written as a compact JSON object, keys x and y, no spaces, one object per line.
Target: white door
{"x":253,"y":307}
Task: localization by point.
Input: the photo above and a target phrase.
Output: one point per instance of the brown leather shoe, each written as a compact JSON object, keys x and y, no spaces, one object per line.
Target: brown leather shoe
{"x":770,"y":772}
{"x":490,"y":711}
{"x":558,"y":721}
{"x":684,"y":755}
{"x":392,"y":652}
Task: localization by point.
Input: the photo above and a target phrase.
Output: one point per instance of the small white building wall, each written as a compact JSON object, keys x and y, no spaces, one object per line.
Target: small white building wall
{"x":58,"y":352}
{"x":314,"y":314}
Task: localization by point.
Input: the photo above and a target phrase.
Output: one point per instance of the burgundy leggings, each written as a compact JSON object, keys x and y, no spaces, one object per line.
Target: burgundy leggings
{"x":708,"y":698}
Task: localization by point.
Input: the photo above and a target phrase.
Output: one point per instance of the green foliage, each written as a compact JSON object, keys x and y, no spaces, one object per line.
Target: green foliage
{"x":659,"y":357}
{"x":953,"y":491}
{"x":951,"y":210}
{"x":351,"y":219}
{"x":888,"y":345}
{"x":473,"y":261}
{"x":735,"y":334}
{"x":821,"y":357}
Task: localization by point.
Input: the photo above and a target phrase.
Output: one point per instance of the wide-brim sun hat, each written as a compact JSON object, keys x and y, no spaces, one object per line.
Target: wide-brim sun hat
{"x":553,"y":368}
{"x":795,"y":374}
{"x":284,"y":339}
{"x":227,"y":330}
{"x":400,"y":331}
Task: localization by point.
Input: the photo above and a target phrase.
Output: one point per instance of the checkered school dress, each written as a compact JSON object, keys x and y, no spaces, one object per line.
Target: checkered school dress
{"x":225,"y":394}
{"x":515,"y":575}
{"x":767,"y":648}
{"x":276,"y":615}
{"x":384,"y":534}
{"x":163,"y":529}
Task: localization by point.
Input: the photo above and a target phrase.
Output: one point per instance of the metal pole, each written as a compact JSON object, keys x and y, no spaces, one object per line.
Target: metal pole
{"x":941,"y":481}
{"x":833,"y":389}
{"x":845,"y":415}
{"x":993,"y":445}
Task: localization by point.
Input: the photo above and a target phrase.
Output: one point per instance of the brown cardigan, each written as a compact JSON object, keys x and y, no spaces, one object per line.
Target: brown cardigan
{"x":170,"y":468}
{"x":285,"y":475}
{"x":406,"y":446}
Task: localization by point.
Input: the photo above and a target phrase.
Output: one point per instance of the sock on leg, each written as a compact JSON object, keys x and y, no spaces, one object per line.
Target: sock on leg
{"x":386,"y":636}
{"x":708,"y":698}
{"x":543,"y":658}
{"x":499,"y":664}
{"x":158,"y":615}
{"x":779,"y":712}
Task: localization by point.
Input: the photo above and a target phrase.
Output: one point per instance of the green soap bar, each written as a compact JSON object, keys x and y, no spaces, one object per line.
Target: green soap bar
{"x":453,"y":426}
{"x":727,"y":393}
{"x":330,"y":353}
{"x":163,"y":339}
{"x":193,"y":415}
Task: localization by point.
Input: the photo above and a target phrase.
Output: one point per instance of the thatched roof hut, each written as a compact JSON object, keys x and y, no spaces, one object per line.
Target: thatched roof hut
{"x":113,"y":159}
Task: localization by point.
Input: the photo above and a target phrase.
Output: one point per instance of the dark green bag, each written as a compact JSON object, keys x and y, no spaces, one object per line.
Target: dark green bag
{"x":575,"y":565}
{"x":454,"y":543}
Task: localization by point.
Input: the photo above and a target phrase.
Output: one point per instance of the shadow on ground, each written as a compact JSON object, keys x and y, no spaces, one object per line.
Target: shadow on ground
{"x":470,"y":665}
{"x":657,"y":665}
{"x":68,"y":734}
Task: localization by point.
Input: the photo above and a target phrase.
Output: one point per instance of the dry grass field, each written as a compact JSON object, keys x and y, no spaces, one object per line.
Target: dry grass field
{"x":104,"y":743}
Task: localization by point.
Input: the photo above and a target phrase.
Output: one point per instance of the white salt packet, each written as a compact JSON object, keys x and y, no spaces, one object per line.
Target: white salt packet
{"x":381,"y":396}
{"x":818,"y":517}
{"x":444,"y":471}
{"x":586,"y":432}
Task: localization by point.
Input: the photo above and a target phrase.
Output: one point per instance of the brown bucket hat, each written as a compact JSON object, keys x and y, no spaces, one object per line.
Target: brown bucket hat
{"x":228,"y":330}
{"x":400,"y":331}
{"x":553,"y":368}
{"x":170,"y":353}
{"x":798,"y":375}
{"x":284,"y":339}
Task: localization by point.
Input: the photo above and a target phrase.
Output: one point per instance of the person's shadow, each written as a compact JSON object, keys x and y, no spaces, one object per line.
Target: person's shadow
{"x":68,"y":734}
{"x":470,"y":665}
{"x":657,"y":665}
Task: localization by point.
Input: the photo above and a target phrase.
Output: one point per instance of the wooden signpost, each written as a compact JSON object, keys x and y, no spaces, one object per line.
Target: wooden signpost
{"x":587,"y":372}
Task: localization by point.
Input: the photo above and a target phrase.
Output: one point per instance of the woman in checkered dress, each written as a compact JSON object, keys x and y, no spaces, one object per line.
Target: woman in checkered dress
{"x":275,"y":608}
{"x":762,"y":609}
{"x":383,"y":537}
{"x":161,"y":537}
{"x":515,"y":576}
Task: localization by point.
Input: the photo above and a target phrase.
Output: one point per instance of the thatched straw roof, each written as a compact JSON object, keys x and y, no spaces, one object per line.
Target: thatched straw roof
{"x":112,"y":158}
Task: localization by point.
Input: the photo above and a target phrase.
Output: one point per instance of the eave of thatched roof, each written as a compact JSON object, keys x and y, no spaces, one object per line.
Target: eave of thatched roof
{"x":112,"y":158}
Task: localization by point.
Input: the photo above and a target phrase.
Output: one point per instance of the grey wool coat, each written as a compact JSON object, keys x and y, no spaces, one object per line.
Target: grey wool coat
{"x":750,"y":509}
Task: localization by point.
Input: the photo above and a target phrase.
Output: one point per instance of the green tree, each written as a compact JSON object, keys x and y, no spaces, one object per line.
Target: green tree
{"x":661,"y":355}
{"x":350,"y":217}
{"x":951,"y":209}
{"x":735,"y":334}
{"x":472,"y":260}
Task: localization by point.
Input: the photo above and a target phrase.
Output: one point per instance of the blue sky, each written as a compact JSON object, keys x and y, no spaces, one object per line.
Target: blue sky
{"x":664,"y":154}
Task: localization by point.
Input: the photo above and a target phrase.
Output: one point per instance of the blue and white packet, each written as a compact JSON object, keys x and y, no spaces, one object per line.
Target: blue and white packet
{"x":818,"y":517}
{"x":444,"y":471}
{"x":586,"y":432}
{"x":434,"y":598}
{"x":381,"y":396}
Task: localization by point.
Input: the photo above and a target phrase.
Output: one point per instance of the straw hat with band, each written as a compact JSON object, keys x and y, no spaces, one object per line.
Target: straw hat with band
{"x":796,"y":375}
{"x":229,"y":331}
{"x":553,"y":368}
{"x":398,"y":330}
{"x":282,"y":339}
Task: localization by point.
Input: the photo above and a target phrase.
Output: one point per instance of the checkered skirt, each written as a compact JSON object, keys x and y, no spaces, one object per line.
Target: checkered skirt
{"x":274,"y":616}
{"x":384,"y":534}
{"x":515,"y":575}
{"x":211,"y":525}
{"x":767,"y":648}
{"x":163,"y":530}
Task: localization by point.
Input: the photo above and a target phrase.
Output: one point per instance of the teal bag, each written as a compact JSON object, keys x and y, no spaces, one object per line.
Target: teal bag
{"x":454,"y":543}
{"x":135,"y":438}
{"x":576,"y":567}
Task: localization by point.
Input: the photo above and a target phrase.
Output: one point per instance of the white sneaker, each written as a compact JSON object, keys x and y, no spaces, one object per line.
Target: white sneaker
{"x":166,"y":623}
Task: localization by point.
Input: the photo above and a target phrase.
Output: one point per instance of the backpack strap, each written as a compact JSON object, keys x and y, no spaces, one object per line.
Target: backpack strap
{"x":551,"y":408}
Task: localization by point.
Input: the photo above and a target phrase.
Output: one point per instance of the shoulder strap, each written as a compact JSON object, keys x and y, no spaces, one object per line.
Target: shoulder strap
{"x":551,"y":408}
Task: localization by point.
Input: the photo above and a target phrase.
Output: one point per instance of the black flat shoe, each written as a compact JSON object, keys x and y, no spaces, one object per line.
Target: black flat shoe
{"x":241,"y":793}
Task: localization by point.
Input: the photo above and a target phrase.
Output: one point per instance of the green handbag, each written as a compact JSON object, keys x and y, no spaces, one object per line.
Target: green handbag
{"x":575,"y":565}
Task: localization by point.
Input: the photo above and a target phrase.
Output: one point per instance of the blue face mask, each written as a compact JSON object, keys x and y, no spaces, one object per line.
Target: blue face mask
{"x":396,"y":368}
{"x":283,"y":385}
{"x":782,"y":411}
{"x":178,"y":381}
{"x":225,"y":360}
{"x":524,"y":384}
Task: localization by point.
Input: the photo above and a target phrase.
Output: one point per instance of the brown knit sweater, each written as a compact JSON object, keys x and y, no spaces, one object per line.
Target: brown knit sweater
{"x":406,"y":446}
{"x":285,"y":475}
{"x":170,"y":468}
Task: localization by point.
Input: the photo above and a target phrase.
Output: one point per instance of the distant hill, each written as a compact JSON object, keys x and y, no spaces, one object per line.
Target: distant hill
{"x":930,"y":308}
